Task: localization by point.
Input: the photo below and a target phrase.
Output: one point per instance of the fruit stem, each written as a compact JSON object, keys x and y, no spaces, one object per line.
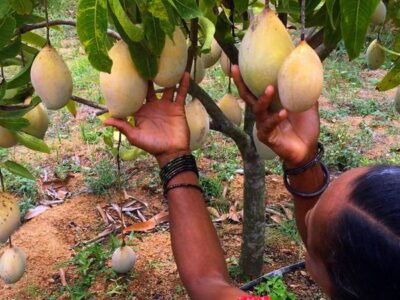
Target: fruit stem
{"x":3,"y":187}
{"x":47,"y":23}
{"x":303,"y":19}
{"x":118,"y":157}
{"x":232,"y":20}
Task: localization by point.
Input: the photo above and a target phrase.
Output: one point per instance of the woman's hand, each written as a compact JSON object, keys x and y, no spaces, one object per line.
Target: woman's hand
{"x":292,"y":136}
{"x":161,"y":127}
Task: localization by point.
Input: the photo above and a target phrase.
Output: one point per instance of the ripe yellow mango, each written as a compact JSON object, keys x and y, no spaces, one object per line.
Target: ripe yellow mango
{"x":379,"y":15}
{"x":263,"y":150}
{"x":198,"y":122}
{"x":230,"y":107}
{"x":51,"y":78}
{"x":124,"y":90}
{"x":200,"y":71}
{"x":7,"y":139}
{"x":225,"y":64}
{"x":12,"y":265}
{"x":210,"y":59}
{"x":173,"y":60}
{"x":300,"y":79}
{"x":9,"y":216}
{"x":375,"y":55}
{"x":265,"y":46}
{"x":38,"y":120}
{"x":123,"y":259}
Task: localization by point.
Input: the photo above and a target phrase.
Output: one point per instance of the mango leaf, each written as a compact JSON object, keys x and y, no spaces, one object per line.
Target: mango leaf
{"x":7,"y":28}
{"x":133,"y":31}
{"x":30,"y":19}
{"x":17,"y":169}
{"x":163,"y":11}
{"x":3,"y":88}
{"x":71,"y":106}
{"x":23,"y":77}
{"x":11,"y":50}
{"x":329,"y":7}
{"x":208,"y":29}
{"x":33,"y":39}
{"x":356,"y":18}
{"x":14,"y":124}
{"x":241,"y":5}
{"x":391,"y":80}
{"x":22,"y":7}
{"x":92,"y":32}
{"x":20,"y":112}
{"x":32,"y":142}
{"x":131,"y":154}
{"x":108,"y":140}
{"x":333,"y":34}
{"x":4,"y":9}
{"x":187,"y":9}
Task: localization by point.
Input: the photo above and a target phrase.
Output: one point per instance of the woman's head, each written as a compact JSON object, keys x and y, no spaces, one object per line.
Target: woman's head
{"x":354,"y":235}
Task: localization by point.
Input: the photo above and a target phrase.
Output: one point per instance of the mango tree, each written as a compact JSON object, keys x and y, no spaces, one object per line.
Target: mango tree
{"x":146,"y":27}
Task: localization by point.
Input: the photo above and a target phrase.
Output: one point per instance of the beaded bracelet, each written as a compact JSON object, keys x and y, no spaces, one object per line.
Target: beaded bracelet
{"x":178,"y":165}
{"x":182,"y":185}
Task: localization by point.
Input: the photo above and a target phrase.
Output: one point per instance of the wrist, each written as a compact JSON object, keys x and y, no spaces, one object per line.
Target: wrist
{"x":165,"y":158}
{"x":298,"y":162}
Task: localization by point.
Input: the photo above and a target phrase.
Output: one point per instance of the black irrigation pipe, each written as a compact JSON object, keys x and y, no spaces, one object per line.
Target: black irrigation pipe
{"x":279,"y":272}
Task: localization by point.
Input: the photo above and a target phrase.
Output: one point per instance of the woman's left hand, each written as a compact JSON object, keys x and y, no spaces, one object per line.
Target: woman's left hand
{"x":161,"y":127}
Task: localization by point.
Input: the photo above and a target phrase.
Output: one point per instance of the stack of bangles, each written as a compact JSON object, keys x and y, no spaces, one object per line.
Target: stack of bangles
{"x":187,"y":163}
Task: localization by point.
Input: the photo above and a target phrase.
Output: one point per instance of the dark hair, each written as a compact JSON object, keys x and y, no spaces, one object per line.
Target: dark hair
{"x":363,"y":254}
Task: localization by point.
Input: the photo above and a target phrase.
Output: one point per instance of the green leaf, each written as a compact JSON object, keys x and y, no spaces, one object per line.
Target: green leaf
{"x":17,"y":169}
{"x":356,"y":18}
{"x":241,"y":5}
{"x":130,"y":154}
{"x":33,"y":39}
{"x":133,"y":31}
{"x":333,"y":34}
{"x":187,"y":9}
{"x":3,"y":88}
{"x":92,"y":32}
{"x":32,"y":142}
{"x":163,"y":11}
{"x":391,"y":80}
{"x":12,"y":50}
{"x":208,"y":29}
{"x":14,"y":124}
{"x":23,"y":77}
{"x":329,"y":7}
{"x":7,"y":28}
{"x":71,"y":106}
{"x":155,"y":36}
{"x":22,"y":7}
{"x":4,"y":9}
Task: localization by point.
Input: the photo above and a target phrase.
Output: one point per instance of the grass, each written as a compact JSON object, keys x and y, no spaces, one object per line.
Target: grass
{"x":274,"y":287}
{"x":102,"y":176}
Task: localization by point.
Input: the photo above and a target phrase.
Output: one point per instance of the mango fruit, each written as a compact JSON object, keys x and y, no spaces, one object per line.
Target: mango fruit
{"x":9,"y":216}
{"x":264,"y":47}
{"x":225,"y":63}
{"x":51,"y":78}
{"x":231,"y":109}
{"x":198,"y":122}
{"x":123,"y":259}
{"x":200,"y":71}
{"x":12,"y":265}
{"x":263,"y":150}
{"x":211,"y":58}
{"x":300,"y":79}
{"x":7,"y":139}
{"x":124,"y":89}
{"x":173,"y":59}
{"x":375,"y":55}
{"x":397,"y":100}
{"x":379,"y":15}
{"x":38,"y":120}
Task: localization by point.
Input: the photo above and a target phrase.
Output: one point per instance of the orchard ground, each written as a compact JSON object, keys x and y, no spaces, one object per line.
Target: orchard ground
{"x":359,"y":127}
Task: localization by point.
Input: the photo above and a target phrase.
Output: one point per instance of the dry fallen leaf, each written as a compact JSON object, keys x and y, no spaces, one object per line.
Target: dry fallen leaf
{"x":149,"y":224}
{"x":36,"y":211}
{"x":277,"y":219}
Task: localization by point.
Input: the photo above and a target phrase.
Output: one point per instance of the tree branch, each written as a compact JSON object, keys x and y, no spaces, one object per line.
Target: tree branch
{"x":30,"y":27}
{"x":89,"y":103}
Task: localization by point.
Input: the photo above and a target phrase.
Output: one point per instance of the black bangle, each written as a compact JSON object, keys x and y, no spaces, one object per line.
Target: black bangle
{"x":309,"y":165}
{"x":177,"y":166}
{"x":182,"y":185}
{"x":312,"y":194}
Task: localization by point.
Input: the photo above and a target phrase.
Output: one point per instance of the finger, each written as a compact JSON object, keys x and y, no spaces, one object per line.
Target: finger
{"x":183,"y":89}
{"x":168,"y":94}
{"x":269,"y":124}
{"x":264,"y":101}
{"x":123,"y":126}
{"x":151,"y":94}
{"x":244,"y":92}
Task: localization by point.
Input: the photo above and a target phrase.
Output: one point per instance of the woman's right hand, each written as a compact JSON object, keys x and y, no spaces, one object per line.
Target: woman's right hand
{"x":292,"y":136}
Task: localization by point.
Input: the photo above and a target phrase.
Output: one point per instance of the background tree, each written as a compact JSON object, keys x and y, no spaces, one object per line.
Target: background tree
{"x":144,"y":25}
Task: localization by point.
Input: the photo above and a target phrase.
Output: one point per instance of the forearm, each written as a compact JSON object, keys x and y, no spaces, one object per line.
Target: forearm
{"x":195,"y":244}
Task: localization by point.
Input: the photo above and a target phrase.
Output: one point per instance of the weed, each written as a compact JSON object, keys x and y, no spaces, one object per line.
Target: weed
{"x":155,"y":264}
{"x":102,"y":176}
{"x":212,"y":186}
{"x":90,"y":136}
{"x":289,"y":229}
{"x":275,"y":288}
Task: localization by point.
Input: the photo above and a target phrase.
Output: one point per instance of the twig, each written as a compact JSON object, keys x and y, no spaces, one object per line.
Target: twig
{"x":194,"y":29}
{"x":118,"y":157}
{"x":2,"y":73}
{"x":232,"y":20}
{"x":3,"y":187}
{"x":303,"y":19}
{"x":10,"y":242}
{"x":30,"y":27}
{"x":47,"y":23}
{"x":89,"y":103}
